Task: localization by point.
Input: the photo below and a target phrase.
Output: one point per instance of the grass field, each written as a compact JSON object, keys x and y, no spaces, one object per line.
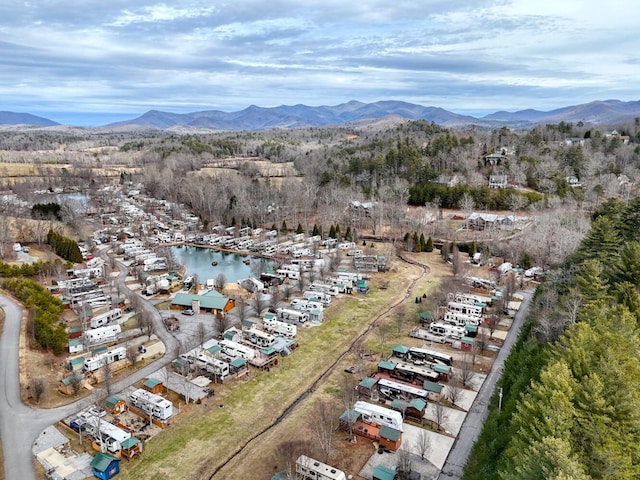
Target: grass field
{"x":206,"y":438}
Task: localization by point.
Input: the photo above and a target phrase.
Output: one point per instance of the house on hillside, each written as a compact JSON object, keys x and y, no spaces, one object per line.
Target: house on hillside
{"x":574,"y":141}
{"x":448,"y":180}
{"x":498,"y":181}
{"x":494,"y":159}
{"x":482,"y":221}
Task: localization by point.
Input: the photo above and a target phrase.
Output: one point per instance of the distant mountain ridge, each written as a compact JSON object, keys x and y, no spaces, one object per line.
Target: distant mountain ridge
{"x":298,"y":116}
{"x":14,"y":118}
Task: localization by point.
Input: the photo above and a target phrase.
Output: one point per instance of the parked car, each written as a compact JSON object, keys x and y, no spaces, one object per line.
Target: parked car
{"x":188,"y":311}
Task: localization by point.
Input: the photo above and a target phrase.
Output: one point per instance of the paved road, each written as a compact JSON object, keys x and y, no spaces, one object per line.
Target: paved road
{"x":473,"y":422}
{"x":20,"y":425}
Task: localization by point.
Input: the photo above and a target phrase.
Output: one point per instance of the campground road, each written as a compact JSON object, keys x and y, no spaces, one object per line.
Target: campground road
{"x":20,"y":425}
{"x":474,"y":421}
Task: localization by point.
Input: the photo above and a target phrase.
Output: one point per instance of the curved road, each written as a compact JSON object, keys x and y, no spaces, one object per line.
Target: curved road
{"x":20,"y":425}
{"x":474,"y":421}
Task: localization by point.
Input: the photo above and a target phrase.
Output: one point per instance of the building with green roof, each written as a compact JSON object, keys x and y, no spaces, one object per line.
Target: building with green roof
{"x":105,"y":466}
{"x":382,"y":472}
{"x":211,"y":302}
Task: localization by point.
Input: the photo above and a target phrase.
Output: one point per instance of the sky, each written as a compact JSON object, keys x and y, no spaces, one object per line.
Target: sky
{"x":94,"y":62}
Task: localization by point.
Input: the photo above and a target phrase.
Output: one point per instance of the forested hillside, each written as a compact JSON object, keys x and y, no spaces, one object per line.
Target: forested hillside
{"x":571,"y":405}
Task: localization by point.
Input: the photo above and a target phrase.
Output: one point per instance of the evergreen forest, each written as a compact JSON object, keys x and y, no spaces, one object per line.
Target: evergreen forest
{"x":571,"y":396}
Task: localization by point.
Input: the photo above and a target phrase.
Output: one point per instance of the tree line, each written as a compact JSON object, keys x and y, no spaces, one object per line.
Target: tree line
{"x":571,"y":395}
{"x":45,"y":311}
{"x":64,"y":247}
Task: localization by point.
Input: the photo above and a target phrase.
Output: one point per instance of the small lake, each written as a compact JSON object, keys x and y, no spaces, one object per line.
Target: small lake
{"x":198,"y":261}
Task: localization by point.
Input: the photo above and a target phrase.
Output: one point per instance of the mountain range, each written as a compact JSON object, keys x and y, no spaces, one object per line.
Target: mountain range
{"x":608,"y":112}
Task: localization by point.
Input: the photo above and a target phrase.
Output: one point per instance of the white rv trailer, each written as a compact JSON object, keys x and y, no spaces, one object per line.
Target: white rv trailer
{"x":460,"y":319}
{"x":237,"y":350}
{"x":105,"y":318}
{"x":307,"y":305}
{"x":465,"y":308}
{"x":94,"y":363}
{"x":393,"y":390}
{"x":308,"y":468}
{"x":102,"y":334}
{"x":290,"y":274}
{"x":429,"y":356}
{"x":315,"y":296}
{"x":111,"y":435}
{"x":471,"y":298}
{"x":379,"y":415}
{"x":447,"y":330}
{"x":209,"y":363}
{"x":273,"y":325}
{"x":259,"y":338}
{"x":332,"y":290}
{"x":289,"y":314}
{"x":154,"y":405}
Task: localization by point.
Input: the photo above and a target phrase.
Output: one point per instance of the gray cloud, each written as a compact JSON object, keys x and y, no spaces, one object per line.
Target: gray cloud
{"x":120,"y":56}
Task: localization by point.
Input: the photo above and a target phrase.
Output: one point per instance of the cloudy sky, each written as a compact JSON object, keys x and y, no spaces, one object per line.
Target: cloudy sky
{"x":92,"y":62}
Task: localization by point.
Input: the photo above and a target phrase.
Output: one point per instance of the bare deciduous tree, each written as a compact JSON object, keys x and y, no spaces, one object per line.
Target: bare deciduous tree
{"x":76,"y":380}
{"x":132,"y":355}
{"x":201,"y":333}
{"x":286,"y":454}
{"x":465,"y":371}
{"x":439,"y":415}
{"x":241,"y":310}
{"x":423,"y":444}
{"x":37,"y":388}
{"x":275,"y":297}
{"x":223,"y":322}
{"x":324,"y":426}
{"x":220,"y":282}
{"x":454,"y":391}
{"x":259,"y":302}
{"x":145,"y":323}
{"x":107,"y":377}
{"x":349,"y":397}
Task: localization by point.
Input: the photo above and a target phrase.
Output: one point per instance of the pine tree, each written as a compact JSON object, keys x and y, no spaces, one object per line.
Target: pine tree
{"x":299,"y":229}
{"x":332,"y":232}
{"x":316,"y":230}
{"x":284,"y":228}
{"x":429,"y":246}
{"x":423,"y":243}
